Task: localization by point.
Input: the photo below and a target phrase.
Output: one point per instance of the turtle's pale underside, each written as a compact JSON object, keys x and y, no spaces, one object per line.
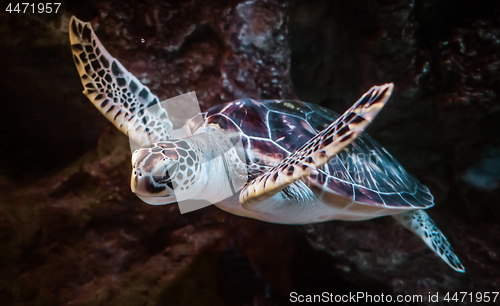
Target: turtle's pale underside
{"x":302,"y":162}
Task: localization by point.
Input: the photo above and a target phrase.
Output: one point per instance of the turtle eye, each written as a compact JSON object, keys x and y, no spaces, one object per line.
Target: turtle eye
{"x":164,"y":175}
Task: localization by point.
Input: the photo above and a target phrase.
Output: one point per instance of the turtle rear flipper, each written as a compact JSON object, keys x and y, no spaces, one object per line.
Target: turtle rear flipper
{"x":421,"y":224}
{"x":119,"y":95}
{"x":319,"y":149}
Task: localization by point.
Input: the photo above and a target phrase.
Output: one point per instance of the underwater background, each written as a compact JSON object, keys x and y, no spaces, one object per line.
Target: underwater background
{"x":72,"y":232}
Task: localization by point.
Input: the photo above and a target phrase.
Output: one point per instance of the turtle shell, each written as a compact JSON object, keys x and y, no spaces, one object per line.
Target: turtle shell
{"x":365,"y":172}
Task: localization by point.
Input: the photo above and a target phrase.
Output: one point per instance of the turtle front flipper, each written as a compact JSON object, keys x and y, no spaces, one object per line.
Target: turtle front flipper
{"x":119,"y":95}
{"x":319,"y":149}
{"x":421,"y":224}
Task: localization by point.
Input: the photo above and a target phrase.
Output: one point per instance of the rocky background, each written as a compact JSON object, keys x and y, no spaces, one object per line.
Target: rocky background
{"x":72,"y":233}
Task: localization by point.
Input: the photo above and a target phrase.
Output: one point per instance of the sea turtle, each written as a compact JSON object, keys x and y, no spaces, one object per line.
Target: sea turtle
{"x":302,"y":160}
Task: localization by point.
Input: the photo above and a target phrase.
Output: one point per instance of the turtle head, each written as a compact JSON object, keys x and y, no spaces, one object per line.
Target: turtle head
{"x":164,"y":172}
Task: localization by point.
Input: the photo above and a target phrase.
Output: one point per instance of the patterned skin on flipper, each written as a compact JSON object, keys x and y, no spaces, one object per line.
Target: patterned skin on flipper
{"x":421,"y":224}
{"x":319,"y":149}
{"x":119,"y":95}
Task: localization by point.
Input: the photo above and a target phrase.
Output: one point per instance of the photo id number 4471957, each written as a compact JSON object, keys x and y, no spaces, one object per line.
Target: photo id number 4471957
{"x":40,"y":8}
